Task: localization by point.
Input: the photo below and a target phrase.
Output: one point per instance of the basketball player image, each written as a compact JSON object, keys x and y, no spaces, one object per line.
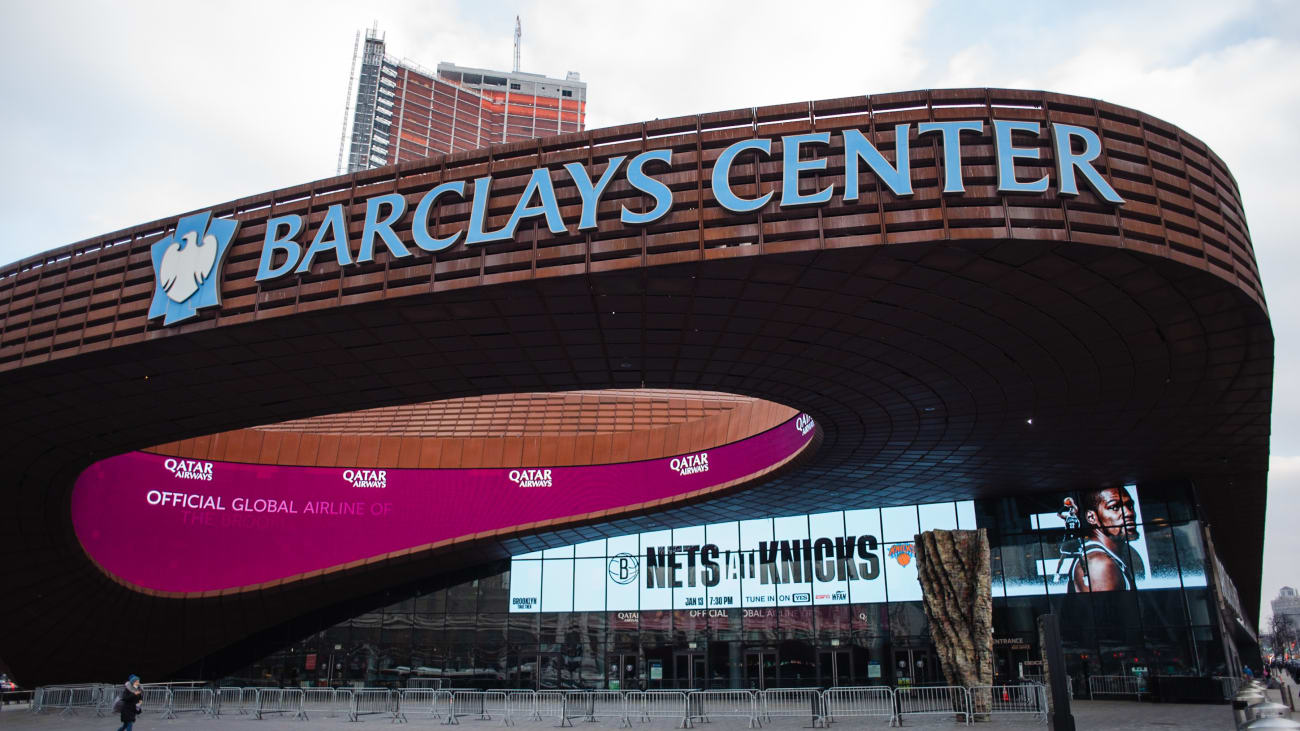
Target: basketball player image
{"x":1108,"y":524}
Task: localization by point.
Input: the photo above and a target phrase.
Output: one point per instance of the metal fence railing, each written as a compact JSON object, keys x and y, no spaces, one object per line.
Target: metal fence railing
{"x":373,"y":701}
{"x":328,"y":702}
{"x":549,"y":704}
{"x":706,"y":704}
{"x":155,"y":698}
{"x":190,"y":700}
{"x":645,"y":705}
{"x":939,"y":700}
{"x":1109,"y":685}
{"x":420,"y":702}
{"x":868,"y":701}
{"x":791,"y":703}
{"x":277,"y":700}
{"x":590,"y":705}
{"x":1028,"y":699}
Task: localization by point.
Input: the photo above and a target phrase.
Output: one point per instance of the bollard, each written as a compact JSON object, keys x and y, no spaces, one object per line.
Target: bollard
{"x":1271,"y":723}
{"x":1266,"y":709}
{"x":1244,"y":698}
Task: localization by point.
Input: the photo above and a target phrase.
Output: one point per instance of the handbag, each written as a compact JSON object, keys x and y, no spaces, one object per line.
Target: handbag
{"x":117,"y":706}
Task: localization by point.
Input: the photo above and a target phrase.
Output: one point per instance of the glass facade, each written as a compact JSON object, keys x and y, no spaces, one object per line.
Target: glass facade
{"x":480,"y":634}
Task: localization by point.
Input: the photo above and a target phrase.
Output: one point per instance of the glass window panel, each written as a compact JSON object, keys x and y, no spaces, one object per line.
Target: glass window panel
{"x":966,"y":515}
{"x":1162,"y":558}
{"x":589,"y":584}
{"x":901,"y":581}
{"x":557,"y":585}
{"x":830,"y":579}
{"x":622,"y":582}
{"x":494,"y":593}
{"x":623,"y":544}
{"x":525,"y":586}
{"x":590,"y":549}
{"x":938,"y":516}
{"x":1021,"y":559}
{"x":1191,"y":553}
{"x":867,"y":563}
{"x":899,"y":524}
{"x":790,"y":534}
{"x":726,"y":536}
{"x":560,"y":552}
{"x":463,"y":597}
{"x":755,"y":586}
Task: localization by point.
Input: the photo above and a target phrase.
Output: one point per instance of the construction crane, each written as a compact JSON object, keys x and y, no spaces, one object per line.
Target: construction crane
{"x":518,"y":33}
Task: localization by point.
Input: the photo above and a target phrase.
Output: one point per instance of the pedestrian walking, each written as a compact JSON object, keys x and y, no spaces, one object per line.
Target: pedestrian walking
{"x":130,"y":702}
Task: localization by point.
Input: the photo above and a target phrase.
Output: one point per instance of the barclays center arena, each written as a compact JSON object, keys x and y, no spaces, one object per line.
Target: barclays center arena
{"x":663,"y":405}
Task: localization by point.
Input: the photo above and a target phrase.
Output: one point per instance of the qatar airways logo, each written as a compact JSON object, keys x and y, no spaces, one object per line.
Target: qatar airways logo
{"x":366,"y":478}
{"x":188,"y":469}
{"x":690,"y":464}
{"x":187,"y":267}
{"x":531,"y":478}
{"x":804,"y":424}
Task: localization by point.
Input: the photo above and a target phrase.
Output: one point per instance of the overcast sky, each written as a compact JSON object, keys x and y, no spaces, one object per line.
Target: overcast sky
{"x":113,"y":114}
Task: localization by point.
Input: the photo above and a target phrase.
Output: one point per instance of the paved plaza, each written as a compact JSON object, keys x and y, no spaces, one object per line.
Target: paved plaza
{"x":1089,"y":716}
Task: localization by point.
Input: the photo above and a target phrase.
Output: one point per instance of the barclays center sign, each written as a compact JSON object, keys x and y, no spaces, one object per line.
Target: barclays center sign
{"x":187,"y":263}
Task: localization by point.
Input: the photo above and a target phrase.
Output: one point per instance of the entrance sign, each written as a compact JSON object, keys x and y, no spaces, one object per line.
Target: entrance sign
{"x":285,"y":248}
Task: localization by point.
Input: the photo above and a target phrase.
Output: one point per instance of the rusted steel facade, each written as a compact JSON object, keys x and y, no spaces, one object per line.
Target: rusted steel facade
{"x":949,"y":346}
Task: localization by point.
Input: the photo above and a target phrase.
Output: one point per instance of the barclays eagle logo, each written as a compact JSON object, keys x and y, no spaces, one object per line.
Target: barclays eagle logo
{"x":187,"y":267}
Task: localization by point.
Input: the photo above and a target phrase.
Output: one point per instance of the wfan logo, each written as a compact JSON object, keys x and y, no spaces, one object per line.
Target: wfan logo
{"x":187,"y":267}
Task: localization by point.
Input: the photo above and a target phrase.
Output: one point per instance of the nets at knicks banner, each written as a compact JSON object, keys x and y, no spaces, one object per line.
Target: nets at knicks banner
{"x":1094,"y":542}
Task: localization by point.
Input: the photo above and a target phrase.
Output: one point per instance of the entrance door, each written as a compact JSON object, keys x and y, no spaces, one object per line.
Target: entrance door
{"x":761,"y":669}
{"x":914,"y":667}
{"x":689,"y":670}
{"x":541,"y":671}
{"x":624,"y":671}
{"x":835,"y":667}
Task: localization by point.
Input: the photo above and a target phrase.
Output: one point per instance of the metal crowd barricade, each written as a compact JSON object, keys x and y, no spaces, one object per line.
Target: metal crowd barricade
{"x":373,"y":701}
{"x":520,"y":704}
{"x":329,"y":702}
{"x":936,"y":700}
{"x":645,"y":705}
{"x":422,"y":702}
{"x":108,"y":695}
{"x":38,"y":699}
{"x":277,"y":700}
{"x":704,"y":704}
{"x":81,"y":697}
{"x":866,"y":701}
{"x":791,"y":703}
{"x":231,"y":700}
{"x":1114,"y":685}
{"x":1029,"y":699}
{"x":550,"y":704}
{"x":190,"y":700}
{"x":155,"y":698}
{"x":467,"y":703}
{"x":592,"y":704}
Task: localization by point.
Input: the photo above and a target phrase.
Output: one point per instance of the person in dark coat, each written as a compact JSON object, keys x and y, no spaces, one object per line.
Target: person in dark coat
{"x":132,"y":698}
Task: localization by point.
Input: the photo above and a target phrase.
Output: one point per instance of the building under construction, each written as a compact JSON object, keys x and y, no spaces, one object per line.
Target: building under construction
{"x":405,"y":112}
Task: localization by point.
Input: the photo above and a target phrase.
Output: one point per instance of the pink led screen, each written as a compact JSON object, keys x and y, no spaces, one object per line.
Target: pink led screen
{"x":182,"y":526}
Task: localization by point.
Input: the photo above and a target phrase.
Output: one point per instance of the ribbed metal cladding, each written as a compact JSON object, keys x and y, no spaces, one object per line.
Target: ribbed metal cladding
{"x":922,"y":333}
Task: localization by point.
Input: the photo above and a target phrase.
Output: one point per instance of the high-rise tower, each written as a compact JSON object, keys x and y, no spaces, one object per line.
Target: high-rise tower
{"x":405,"y":112}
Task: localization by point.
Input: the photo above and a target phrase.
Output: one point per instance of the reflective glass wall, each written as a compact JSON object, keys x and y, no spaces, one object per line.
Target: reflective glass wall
{"x":1128,"y":582}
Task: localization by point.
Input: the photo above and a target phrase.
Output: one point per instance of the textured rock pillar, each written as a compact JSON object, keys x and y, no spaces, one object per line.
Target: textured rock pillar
{"x":953,"y":566}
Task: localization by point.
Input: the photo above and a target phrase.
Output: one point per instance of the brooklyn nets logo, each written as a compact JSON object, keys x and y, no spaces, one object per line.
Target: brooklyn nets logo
{"x":187,"y":267}
{"x":623,"y":568}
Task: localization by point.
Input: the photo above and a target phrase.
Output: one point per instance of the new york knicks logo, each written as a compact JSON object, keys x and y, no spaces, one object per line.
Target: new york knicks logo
{"x":187,"y":266}
{"x":903,"y":553}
